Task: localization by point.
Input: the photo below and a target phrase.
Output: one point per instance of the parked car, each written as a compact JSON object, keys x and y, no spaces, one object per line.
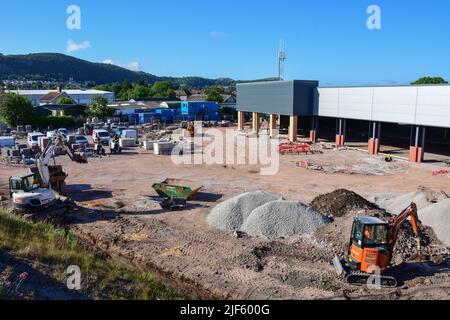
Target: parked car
{"x":63,"y":131}
{"x":33,"y":139}
{"x":102,"y":135}
{"x":118,"y":130}
{"x":51,"y":134}
{"x":81,"y":140}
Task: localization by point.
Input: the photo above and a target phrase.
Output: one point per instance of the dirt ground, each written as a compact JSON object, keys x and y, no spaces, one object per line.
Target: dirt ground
{"x":117,"y":212}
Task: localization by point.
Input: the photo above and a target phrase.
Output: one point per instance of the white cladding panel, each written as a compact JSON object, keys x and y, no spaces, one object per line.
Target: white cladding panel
{"x":328,"y":102}
{"x":355,"y":103}
{"x":433,"y":106}
{"x":419,"y":105}
{"x":394,"y":104}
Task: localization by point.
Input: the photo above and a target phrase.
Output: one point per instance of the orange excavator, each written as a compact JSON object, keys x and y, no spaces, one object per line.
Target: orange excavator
{"x":371,"y":247}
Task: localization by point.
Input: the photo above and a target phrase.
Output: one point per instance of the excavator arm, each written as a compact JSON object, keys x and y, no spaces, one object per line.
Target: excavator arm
{"x":46,"y":155}
{"x":410,"y":212}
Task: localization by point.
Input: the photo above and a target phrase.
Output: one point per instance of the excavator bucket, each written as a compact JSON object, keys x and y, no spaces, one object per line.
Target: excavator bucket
{"x":338,"y":266}
{"x":80,"y":158}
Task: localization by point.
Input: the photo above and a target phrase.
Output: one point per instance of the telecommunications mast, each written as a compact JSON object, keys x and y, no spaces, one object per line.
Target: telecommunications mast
{"x":282,"y":56}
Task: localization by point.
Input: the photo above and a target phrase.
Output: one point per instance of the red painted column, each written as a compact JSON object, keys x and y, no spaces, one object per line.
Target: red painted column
{"x":313,"y":135}
{"x":340,"y":140}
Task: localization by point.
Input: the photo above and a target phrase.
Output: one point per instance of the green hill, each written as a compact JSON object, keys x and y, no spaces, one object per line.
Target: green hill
{"x":60,"y":67}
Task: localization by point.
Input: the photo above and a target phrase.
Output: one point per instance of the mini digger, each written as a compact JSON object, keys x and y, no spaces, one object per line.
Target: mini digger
{"x":371,"y":248}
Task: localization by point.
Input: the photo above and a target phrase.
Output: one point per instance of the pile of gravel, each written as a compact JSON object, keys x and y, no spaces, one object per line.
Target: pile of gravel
{"x":230,"y":214}
{"x":281,"y":218}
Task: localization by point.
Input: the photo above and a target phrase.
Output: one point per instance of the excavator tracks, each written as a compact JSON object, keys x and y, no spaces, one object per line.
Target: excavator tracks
{"x":361,"y":279}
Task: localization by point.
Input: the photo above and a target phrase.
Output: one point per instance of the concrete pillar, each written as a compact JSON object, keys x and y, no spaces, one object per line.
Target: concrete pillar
{"x":273,"y":124}
{"x":314,"y":127}
{"x":293,"y":128}
{"x":417,"y":145}
{"x":256,"y":124}
{"x":241,"y":120}
{"x":340,"y":132}
{"x":374,"y":138}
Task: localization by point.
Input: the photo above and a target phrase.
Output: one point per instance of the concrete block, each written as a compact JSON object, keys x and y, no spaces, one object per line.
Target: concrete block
{"x":161,"y":148}
{"x":148,"y":145}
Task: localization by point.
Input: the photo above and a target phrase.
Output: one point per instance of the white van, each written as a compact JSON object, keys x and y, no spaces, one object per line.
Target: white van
{"x":129,"y":134}
{"x":51,"y":134}
{"x":102,"y":135}
{"x":33,"y":139}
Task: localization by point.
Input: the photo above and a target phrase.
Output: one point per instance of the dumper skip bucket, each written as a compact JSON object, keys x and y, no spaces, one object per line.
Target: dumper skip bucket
{"x":177,"y":189}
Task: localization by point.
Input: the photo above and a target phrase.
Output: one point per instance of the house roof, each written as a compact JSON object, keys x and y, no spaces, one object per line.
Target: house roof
{"x":51,"y":96}
{"x":68,"y":91}
{"x":197,"y":97}
{"x":180,"y":93}
{"x":53,"y":107}
{"x":147,"y":100}
{"x":132,"y":104}
{"x":227,"y":97}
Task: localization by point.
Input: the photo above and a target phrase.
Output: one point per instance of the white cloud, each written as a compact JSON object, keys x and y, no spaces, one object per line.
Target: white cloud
{"x":217,"y":34}
{"x":72,"y":46}
{"x":133,"y":65}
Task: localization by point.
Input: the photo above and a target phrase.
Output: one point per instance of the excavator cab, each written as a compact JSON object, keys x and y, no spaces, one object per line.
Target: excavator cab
{"x":25,"y":183}
{"x":369,"y":246}
{"x":372,"y":242}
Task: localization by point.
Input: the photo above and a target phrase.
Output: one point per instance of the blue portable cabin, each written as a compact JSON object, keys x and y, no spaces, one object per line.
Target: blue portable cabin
{"x":145,"y":118}
{"x":169,"y":115}
{"x":200,"y":110}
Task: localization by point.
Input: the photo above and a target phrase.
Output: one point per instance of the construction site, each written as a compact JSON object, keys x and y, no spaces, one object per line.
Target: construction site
{"x":317,"y":229}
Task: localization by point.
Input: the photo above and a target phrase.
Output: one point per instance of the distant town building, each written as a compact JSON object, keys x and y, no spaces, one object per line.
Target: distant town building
{"x":229,"y":101}
{"x":79,"y":96}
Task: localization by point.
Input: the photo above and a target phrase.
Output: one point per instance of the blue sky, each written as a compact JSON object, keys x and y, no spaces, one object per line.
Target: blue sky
{"x":325,"y":40}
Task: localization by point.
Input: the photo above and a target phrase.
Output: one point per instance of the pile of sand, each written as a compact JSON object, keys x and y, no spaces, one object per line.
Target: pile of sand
{"x":433,"y":209}
{"x":395,"y":204}
{"x":281,"y":218}
{"x":437,"y":216}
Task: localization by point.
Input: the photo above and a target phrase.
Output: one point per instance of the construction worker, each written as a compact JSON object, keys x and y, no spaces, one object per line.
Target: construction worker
{"x":367,"y":234}
{"x":99,"y":148}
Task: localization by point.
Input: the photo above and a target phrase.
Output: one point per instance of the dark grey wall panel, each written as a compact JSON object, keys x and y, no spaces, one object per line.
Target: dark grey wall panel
{"x":277,"y":97}
{"x":304,"y":97}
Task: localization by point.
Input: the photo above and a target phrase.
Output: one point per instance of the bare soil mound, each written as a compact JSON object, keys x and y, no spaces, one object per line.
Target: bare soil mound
{"x":340,"y":202}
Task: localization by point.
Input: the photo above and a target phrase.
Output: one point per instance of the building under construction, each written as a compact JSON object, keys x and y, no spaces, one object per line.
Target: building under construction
{"x":411,"y":118}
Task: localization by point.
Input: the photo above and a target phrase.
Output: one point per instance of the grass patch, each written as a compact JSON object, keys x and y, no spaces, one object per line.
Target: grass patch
{"x":101,"y":279}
